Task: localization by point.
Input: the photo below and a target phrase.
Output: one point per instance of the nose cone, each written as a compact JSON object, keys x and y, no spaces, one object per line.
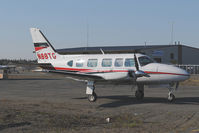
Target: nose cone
{"x":176,"y":73}
{"x":183,"y":73}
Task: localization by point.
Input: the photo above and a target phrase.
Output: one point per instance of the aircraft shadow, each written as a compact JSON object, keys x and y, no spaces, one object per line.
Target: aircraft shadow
{"x":130,"y":100}
{"x":32,"y":79}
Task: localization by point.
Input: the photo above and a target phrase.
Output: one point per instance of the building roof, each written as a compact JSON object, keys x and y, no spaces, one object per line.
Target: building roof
{"x":109,"y":49}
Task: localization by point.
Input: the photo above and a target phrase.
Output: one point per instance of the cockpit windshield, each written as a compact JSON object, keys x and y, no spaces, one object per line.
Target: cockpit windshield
{"x":144,"y":60}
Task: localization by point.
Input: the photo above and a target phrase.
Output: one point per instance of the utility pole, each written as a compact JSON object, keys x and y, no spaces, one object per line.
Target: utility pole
{"x":172,"y":24}
{"x":87,"y":36}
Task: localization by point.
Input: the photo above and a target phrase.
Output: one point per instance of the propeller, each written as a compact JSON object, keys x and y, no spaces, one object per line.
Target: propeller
{"x":138,"y":73}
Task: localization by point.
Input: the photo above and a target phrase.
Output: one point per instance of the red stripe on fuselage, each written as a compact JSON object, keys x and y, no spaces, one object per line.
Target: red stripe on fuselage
{"x":91,"y":70}
{"x":149,"y":72}
{"x":88,"y":70}
{"x":72,"y":69}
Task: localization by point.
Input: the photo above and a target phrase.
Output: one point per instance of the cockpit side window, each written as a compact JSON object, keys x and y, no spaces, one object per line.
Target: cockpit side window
{"x":144,"y":60}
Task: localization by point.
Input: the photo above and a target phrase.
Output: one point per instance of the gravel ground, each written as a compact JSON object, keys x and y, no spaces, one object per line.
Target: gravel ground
{"x":44,"y":103}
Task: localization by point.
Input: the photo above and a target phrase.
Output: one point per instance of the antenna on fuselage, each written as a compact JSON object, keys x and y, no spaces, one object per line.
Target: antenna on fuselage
{"x":102,"y":51}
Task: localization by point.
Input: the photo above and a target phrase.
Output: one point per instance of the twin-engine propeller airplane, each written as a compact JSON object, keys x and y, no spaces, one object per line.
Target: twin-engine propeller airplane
{"x":3,"y":67}
{"x":133,"y":69}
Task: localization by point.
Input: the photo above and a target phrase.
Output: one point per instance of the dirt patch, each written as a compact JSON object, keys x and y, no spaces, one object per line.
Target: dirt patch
{"x":193,"y":81}
{"x":52,"y":118}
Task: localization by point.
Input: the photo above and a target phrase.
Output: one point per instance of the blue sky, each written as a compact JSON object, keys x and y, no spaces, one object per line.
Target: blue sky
{"x":111,"y":22}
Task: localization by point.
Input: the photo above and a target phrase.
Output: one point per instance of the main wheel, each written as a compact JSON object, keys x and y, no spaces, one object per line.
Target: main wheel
{"x":92,"y":97}
{"x":171,"y":97}
{"x":139,"y":94}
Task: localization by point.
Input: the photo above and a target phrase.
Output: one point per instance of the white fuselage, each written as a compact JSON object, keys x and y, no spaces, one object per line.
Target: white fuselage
{"x":107,"y":67}
{"x":108,"y":70}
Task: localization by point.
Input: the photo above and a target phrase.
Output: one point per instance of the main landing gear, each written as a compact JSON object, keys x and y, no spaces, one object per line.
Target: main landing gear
{"x":92,"y":97}
{"x":139,"y":93}
{"x":90,"y":91}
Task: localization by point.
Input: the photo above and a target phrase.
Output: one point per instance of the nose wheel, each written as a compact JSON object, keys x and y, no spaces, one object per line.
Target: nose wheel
{"x":171,"y":97}
{"x":92,"y":97}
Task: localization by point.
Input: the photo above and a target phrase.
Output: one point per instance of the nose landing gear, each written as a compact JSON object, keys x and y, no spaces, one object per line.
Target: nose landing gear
{"x":172,"y":87}
{"x":171,"y":97}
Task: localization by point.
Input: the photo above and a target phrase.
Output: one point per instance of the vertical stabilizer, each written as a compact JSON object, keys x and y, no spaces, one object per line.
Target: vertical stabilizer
{"x":45,"y":52}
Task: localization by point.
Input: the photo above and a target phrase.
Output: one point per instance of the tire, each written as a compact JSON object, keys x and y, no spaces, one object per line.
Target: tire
{"x":139,"y":95}
{"x":93,"y":97}
{"x":171,"y":97}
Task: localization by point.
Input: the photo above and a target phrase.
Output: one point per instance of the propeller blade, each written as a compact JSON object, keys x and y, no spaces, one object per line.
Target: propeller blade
{"x":136,"y":62}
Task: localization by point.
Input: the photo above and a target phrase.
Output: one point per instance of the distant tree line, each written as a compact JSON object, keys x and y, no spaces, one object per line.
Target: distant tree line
{"x":17,"y":62}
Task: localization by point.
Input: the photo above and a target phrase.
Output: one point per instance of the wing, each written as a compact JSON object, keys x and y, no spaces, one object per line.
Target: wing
{"x":74,"y":74}
{"x":78,"y":75}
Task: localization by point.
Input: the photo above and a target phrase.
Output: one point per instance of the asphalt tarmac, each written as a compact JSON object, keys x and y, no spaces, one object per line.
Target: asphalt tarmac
{"x":47,"y":103}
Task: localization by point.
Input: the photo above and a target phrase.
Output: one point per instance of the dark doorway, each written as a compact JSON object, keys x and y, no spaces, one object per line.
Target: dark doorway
{"x":158,"y":60}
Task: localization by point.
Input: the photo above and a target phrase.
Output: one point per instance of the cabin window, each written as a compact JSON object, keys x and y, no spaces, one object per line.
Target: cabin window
{"x":106,"y":62}
{"x":70,"y":63}
{"x":129,"y":62}
{"x":79,"y":63}
{"x":118,"y":62}
{"x":92,"y":63}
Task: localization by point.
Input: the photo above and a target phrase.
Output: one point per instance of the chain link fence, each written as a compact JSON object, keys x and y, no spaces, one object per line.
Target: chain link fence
{"x":192,"y":69}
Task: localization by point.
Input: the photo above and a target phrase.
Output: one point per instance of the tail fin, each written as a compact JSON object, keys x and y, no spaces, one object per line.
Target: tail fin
{"x":44,"y":50}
